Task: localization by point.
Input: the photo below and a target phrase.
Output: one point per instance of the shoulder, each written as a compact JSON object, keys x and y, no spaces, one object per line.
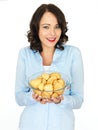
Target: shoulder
{"x":25,"y":51}
{"x":72,"y":49}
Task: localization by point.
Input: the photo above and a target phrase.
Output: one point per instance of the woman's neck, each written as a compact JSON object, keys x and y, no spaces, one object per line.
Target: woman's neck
{"x":47,"y":56}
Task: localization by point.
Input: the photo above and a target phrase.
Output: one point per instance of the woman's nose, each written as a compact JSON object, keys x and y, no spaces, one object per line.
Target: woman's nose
{"x":52,"y":31}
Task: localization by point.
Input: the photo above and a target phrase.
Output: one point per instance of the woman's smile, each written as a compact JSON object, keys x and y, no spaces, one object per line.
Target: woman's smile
{"x":51,"y":39}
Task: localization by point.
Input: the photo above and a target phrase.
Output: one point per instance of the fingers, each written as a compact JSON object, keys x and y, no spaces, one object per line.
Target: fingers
{"x":37,"y":97}
{"x":45,"y":100}
{"x":58,"y":99}
{"x":40,"y":99}
{"x":62,"y":98}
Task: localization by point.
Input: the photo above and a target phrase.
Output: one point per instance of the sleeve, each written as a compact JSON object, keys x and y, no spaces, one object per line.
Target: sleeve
{"x":75,"y":99}
{"x":23,"y":93}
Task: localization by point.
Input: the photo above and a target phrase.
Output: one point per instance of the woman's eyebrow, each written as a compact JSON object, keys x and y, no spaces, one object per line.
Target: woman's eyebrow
{"x":45,"y":24}
{"x":48,"y":24}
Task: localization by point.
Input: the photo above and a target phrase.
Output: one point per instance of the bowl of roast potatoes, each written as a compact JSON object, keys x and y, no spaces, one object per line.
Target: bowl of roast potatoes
{"x":48,"y":84}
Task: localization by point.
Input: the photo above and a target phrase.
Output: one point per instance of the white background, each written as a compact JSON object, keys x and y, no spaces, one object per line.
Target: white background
{"x":82,"y":17}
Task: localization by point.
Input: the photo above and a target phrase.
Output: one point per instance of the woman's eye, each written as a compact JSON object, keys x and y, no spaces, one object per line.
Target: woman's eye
{"x":57,"y":26}
{"x":46,"y":27}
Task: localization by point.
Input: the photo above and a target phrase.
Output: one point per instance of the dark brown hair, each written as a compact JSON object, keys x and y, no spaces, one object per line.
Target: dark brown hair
{"x":32,"y":34}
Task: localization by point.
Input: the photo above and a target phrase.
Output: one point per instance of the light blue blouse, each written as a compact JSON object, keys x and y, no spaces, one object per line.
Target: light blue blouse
{"x":50,"y":116}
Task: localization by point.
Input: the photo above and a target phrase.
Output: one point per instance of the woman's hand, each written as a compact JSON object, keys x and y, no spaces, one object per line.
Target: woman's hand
{"x":58,"y":99}
{"x":46,"y":100}
{"x":40,"y":99}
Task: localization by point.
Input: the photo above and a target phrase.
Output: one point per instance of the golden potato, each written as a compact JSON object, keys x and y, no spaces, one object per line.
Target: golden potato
{"x":37,"y":92}
{"x":60,"y":92}
{"x":44,"y":81}
{"x":54,"y":95}
{"x":34,"y":83}
{"x":48,"y":88}
{"x":51,"y":79}
{"x":62,"y":82}
{"x":41,"y":86}
{"x":56,"y":74}
{"x":45,"y":94}
{"x":58,"y":88}
{"x":45,"y":76}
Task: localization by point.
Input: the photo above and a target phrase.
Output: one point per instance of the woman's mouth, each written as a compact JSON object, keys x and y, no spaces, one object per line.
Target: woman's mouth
{"x":51,"y":39}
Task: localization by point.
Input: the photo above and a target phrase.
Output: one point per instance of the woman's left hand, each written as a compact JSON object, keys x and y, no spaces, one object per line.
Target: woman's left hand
{"x":58,"y":99}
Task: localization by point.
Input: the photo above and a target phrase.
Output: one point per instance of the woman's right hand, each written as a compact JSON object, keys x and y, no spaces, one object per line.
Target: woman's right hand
{"x":40,"y":99}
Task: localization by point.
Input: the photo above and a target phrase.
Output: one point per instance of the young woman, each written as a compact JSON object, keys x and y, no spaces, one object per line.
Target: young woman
{"x":48,"y":52}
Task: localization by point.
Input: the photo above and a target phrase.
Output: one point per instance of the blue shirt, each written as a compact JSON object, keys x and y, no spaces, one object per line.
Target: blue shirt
{"x":50,"y":116}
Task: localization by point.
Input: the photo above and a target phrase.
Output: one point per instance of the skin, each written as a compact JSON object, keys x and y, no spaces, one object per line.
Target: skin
{"x":49,"y":34}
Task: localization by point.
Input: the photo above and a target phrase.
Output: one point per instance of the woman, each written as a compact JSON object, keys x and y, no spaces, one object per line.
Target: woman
{"x":48,"y":52}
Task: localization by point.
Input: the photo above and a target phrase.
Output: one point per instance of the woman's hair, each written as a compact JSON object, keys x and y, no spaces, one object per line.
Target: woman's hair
{"x":32,"y":34}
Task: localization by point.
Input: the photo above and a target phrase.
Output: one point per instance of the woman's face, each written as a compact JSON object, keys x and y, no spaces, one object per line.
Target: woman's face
{"x":49,"y":30}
